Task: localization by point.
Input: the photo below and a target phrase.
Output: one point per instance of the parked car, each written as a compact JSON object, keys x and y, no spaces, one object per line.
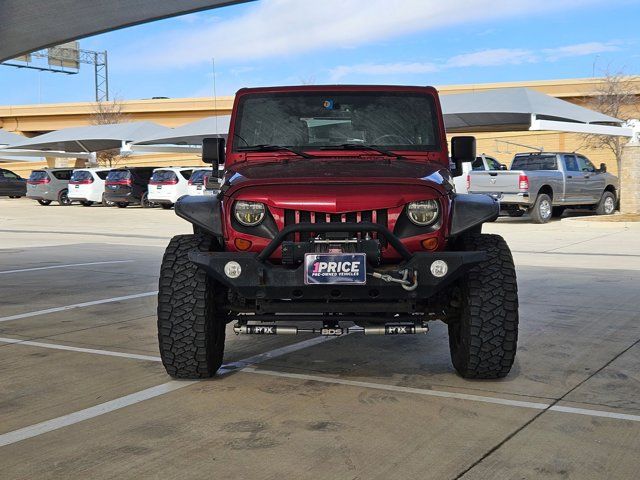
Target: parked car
{"x":48,"y":185}
{"x":309,"y":227}
{"x":86,"y":186}
{"x":482,"y":163}
{"x":544,"y":184}
{"x":168,"y":184}
{"x":12,"y":185}
{"x":197,"y":181}
{"x":128,"y":185}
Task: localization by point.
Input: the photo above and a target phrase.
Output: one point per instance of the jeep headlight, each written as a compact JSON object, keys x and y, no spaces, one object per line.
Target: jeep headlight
{"x":423,"y":213}
{"x":249,"y":214}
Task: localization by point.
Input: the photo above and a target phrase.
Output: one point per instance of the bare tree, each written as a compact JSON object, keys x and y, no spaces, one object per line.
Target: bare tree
{"x":616,"y":96}
{"x":108,"y":113}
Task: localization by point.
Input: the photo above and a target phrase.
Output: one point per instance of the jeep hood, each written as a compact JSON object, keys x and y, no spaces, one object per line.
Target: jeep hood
{"x":322,"y":171}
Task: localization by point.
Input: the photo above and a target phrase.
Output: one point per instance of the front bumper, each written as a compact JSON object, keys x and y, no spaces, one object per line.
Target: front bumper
{"x":261,"y":280}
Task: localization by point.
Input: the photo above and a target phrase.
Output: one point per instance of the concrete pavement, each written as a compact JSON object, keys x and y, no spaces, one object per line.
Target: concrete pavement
{"x":353,"y":407}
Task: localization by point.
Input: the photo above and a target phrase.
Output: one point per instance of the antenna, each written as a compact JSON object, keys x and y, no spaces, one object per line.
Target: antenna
{"x":215,"y":96}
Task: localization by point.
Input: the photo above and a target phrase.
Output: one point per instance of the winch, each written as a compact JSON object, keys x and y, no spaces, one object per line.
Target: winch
{"x":339,"y":242}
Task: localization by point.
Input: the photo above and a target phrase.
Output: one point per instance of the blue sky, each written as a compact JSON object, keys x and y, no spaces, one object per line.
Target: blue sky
{"x":277,"y":42}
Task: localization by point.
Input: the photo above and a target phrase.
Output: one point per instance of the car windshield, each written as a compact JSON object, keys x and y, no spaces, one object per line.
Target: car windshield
{"x":79,"y":175}
{"x":400,"y":121}
{"x":38,"y":175}
{"x":534,"y":162}
{"x":118,"y":175}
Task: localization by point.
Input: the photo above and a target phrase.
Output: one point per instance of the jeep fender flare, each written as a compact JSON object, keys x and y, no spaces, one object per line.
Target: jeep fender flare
{"x":470,"y":210}
{"x":204,"y":212}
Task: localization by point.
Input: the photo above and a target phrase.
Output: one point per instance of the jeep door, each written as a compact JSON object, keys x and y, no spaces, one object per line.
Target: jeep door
{"x":574,"y":180}
{"x":594,"y":181}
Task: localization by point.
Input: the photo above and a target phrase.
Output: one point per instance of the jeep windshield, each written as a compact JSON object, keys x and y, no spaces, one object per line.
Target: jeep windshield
{"x":341,"y":120}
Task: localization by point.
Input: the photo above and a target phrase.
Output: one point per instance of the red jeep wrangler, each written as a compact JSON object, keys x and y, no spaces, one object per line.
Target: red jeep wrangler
{"x":337,"y":213}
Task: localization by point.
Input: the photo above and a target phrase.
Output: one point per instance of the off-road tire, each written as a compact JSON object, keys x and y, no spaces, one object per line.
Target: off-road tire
{"x":556,"y":212}
{"x":607,"y":204}
{"x":167,"y":206}
{"x":191,"y":330}
{"x":86,"y":204}
{"x":63,"y":198}
{"x":539,"y":212}
{"x":483,"y":333}
{"x":44,"y":203}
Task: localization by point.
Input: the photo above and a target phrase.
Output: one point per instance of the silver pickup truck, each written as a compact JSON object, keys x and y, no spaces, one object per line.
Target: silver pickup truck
{"x":544,"y":184}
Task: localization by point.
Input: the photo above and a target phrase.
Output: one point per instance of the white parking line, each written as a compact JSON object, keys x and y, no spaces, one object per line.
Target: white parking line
{"x":87,"y":413}
{"x":56,"y":346}
{"x":445,"y":394}
{"x":68,"y":265}
{"x":92,"y":412}
{"x":76,"y":305}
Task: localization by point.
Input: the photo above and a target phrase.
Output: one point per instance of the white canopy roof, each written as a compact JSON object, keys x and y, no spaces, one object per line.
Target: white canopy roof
{"x":191,"y":133}
{"x":92,"y":138}
{"x":29,"y":25}
{"x":513,"y":109}
{"x":7,"y":138}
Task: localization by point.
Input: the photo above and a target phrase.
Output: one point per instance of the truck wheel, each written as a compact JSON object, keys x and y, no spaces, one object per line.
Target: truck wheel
{"x":44,"y":203}
{"x":483,"y":333}
{"x":542,"y":210}
{"x":63,"y":198}
{"x":607,"y":204}
{"x":190,"y":329}
{"x":556,"y":212}
{"x":144,"y":201}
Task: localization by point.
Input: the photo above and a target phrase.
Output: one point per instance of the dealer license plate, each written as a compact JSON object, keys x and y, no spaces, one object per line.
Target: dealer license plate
{"x":332,"y":268}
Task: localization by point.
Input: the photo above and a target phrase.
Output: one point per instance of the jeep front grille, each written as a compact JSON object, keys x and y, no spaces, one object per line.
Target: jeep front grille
{"x":292,"y":217}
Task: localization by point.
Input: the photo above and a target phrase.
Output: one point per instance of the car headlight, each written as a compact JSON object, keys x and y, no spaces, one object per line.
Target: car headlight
{"x":249,"y":214}
{"x":423,"y":213}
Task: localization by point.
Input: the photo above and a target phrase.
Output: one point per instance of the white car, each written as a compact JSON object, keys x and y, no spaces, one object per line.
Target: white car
{"x":168,"y":184}
{"x":86,"y":186}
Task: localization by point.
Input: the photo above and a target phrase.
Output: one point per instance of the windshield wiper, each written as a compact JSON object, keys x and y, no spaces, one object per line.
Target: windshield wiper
{"x":362,"y":146}
{"x":273,"y":148}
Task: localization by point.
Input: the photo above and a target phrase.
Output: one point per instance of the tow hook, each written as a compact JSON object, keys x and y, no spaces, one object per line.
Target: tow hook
{"x":408,"y":285}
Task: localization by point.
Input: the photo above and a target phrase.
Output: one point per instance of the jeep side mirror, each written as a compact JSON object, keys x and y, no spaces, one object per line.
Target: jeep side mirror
{"x":213,"y":152}
{"x":463,"y":149}
{"x":603,"y":168}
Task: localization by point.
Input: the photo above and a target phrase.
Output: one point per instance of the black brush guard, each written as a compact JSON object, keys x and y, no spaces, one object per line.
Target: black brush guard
{"x":278,"y":288}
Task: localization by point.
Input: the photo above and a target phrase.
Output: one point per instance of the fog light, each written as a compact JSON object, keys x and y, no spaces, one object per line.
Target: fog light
{"x":439,"y":268}
{"x":233,"y":269}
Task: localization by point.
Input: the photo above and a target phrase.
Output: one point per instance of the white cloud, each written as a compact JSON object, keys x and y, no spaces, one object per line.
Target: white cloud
{"x":484,"y":58}
{"x":276,"y":28}
{"x":580,"y":50}
{"x":493,"y":57}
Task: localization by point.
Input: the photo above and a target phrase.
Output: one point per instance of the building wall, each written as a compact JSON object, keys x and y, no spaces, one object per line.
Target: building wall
{"x":30,"y":120}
